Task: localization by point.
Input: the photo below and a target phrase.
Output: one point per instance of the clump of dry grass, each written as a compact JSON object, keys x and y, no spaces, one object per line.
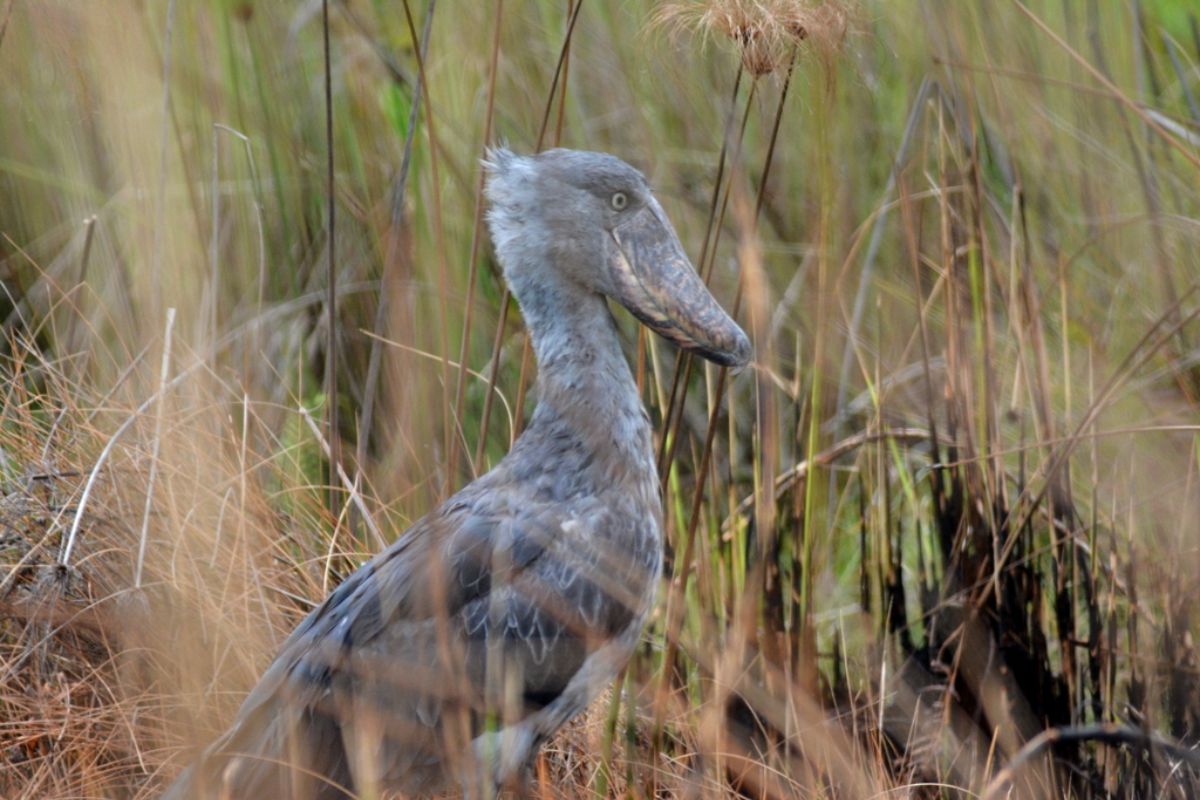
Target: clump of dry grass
{"x":65,"y":706}
{"x":108,"y":673}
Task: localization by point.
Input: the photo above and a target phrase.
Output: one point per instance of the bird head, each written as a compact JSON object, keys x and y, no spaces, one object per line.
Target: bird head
{"x":593,"y":219}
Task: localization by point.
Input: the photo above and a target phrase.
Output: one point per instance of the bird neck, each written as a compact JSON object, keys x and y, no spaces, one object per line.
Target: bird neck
{"x":578,"y":351}
{"x":584,"y":383}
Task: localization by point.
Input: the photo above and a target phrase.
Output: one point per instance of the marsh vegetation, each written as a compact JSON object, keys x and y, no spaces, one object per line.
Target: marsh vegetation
{"x":952,"y":505}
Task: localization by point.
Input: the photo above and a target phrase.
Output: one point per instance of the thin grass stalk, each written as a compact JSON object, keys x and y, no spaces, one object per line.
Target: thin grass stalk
{"x":56,"y":296}
{"x":913,"y":251}
{"x":683,"y":360}
{"x":679,"y":586}
{"x":163,"y":375}
{"x":573,"y":7}
{"x":164,"y":134}
{"x":394,"y":70}
{"x":331,"y":334}
{"x":559,"y":73}
{"x":868,"y":270}
{"x":7,"y":18}
{"x":523,"y":385}
{"x":603,"y":776}
{"x":259,"y":230}
{"x":1144,"y":165}
{"x":451,"y":428}
{"x":1032,"y":307}
{"x":350,"y":486}
{"x":526,"y":347}
{"x":74,"y":343}
{"x":68,"y":544}
{"x":1181,"y":76}
{"x":767,"y":411}
{"x":390,"y":256}
{"x":493,"y":377}
{"x":808,"y":526}
{"x":214,"y":278}
{"x":671,"y":430}
{"x":271,"y":138}
{"x":18,"y":301}
{"x":192,"y":180}
{"x":982,"y":280}
{"x":476,"y":238}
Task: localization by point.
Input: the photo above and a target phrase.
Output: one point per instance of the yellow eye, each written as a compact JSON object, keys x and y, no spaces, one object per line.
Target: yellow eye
{"x":619,"y":201}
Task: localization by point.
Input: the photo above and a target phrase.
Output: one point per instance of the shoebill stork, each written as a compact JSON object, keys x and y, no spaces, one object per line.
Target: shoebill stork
{"x":446,"y":660}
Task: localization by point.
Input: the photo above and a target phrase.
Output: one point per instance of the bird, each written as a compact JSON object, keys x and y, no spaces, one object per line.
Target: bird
{"x":446,"y":660}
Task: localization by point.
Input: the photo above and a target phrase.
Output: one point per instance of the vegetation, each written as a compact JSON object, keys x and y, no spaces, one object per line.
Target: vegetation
{"x":952,"y":505}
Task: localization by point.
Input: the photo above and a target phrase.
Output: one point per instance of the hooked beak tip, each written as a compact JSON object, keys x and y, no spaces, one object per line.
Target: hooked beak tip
{"x":742,"y":353}
{"x":736,"y":356}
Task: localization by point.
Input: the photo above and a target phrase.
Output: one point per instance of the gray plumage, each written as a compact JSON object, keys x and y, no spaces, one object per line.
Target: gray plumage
{"x":447,"y":659}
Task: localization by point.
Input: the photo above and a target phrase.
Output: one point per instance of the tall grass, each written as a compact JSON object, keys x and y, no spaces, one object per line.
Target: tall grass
{"x":952,"y":506}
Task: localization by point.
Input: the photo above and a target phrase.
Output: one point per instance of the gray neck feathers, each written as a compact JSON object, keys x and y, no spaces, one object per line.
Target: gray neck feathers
{"x":581,"y":369}
{"x":585,"y":390}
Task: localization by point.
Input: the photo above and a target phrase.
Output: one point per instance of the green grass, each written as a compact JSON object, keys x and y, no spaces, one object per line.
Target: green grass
{"x":985,"y":523}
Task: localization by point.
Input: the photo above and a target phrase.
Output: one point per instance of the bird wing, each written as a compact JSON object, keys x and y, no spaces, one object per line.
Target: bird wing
{"x":483,"y":605}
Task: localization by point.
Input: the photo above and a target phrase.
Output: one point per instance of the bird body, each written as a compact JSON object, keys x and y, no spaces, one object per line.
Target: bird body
{"x":446,"y":660}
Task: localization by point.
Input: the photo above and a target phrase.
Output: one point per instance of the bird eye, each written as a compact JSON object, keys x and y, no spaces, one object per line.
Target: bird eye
{"x":619,"y":201}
